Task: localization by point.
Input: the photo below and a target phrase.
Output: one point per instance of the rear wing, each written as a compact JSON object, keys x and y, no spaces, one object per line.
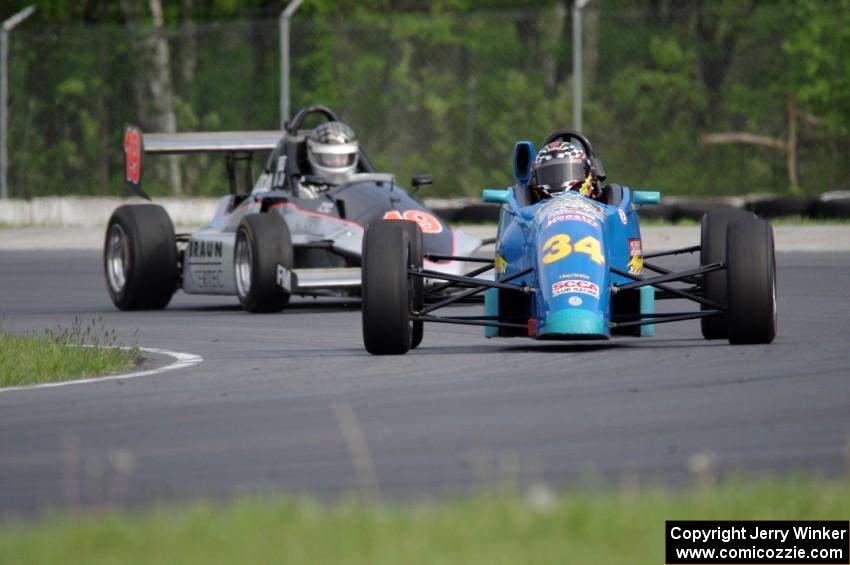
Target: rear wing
{"x":236,"y":145}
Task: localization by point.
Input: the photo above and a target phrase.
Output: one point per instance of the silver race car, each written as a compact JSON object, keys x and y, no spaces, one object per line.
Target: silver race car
{"x":298,"y":231}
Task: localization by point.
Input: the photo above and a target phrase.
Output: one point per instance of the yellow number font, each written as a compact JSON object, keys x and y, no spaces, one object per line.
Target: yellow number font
{"x":558,"y":246}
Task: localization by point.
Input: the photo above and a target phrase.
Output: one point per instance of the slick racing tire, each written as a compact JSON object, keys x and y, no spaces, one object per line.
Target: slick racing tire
{"x":751,"y":281}
{"x":140,"y":257}
{"x":417,"y":284}
{"x":713,"y":250}
{"x":388,"y":292}
{"x":262,"y":263}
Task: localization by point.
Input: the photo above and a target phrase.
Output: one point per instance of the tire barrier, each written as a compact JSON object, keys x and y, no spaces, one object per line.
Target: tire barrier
{"x":95,"y":212}
{"x":830,"y":206}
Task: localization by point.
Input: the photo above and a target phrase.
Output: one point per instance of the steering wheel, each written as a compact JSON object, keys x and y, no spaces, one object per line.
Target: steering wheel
{"x":567,"y":135}
{"x":302,"y":114}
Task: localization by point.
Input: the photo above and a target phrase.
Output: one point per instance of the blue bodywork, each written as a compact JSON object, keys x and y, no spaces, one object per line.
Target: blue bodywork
{"x":570,"y":243}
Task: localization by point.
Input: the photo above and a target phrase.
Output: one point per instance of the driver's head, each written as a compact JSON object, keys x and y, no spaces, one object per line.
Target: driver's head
{"x":333,"y":151}
{"x":562,"y":166}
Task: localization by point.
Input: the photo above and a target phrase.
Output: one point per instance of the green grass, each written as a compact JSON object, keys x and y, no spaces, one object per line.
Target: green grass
{"x":61,"y":355}
{"x":599,"y":526}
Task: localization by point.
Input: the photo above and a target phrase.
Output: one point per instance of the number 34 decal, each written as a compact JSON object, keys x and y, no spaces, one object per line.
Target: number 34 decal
{"x":559,"y":246}
{"x":427,"y":222}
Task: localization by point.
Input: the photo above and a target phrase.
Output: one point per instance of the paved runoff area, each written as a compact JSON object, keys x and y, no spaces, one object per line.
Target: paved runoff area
{"x":291,"y":402}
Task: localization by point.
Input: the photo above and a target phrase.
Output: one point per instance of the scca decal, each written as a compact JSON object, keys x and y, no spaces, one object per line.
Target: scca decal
{"x":573,"y":286}
{"x":427,"y":222}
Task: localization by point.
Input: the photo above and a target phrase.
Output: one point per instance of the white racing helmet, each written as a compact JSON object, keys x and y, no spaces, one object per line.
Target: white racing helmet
{"x":333,"y":152}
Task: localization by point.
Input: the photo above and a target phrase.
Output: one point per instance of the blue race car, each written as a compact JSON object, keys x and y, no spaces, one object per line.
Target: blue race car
{"x":569,"y":264}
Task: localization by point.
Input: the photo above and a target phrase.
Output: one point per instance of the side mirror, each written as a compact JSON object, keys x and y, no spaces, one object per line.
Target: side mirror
{"x":496,"y":195}
{"x":421,"y":180}
{"x":524,"y":153}
{"x":640,"y":197}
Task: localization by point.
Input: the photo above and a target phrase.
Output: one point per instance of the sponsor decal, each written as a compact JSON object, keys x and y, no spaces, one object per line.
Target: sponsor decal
{"x":575,"y":276}
{"x":635,"y":256}
{"x":326,"y":207}
{"x":578,"y":216}
{"x":573,"y":202}
{"x":207,"y":278}
{"x":284,"y":278}
{"x":622,"y":216}
{"x":280,"y":172}
{"x":427,"y":222}
{"x":575,"y":286}
{"x":500,"y":265}
{"x":574,"y":301}
{"x":204,"y":248}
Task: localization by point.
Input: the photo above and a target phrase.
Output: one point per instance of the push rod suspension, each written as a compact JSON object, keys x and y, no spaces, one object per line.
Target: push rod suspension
{"x":482,"y":285}
{"x":691,"y":249}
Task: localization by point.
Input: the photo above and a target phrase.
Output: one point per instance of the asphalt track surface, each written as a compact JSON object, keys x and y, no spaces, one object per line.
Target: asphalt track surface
{"x":278,"y":400}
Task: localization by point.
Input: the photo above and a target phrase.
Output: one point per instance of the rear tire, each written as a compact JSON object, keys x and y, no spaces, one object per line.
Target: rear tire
{"x":751,"y":282}
{"x":263,"y":243}
{"x":140,"y":257}
{"x":713,"y":250}
{"x":387,"y":290}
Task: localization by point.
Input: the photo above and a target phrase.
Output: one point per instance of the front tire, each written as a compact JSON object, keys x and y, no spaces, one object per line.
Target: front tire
{"x":713,"y":250}
{"x":417,"y":284}
{"x":140,"y":257}
{"x":751,"y":282}
{"x":387,"y":290}
{"x":262,"y":263}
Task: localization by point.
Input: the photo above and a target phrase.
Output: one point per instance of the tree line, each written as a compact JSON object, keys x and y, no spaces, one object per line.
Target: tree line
{"x":706,"y":97}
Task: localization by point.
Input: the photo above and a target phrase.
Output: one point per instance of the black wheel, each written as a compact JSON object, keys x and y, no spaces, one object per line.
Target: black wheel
{"x":417,"y":284}
{"x":140,"y":257}
{"x":751,"y":281}
{"x":262,"y":263}
{"x":713,"y":250}
{"x":387,"y":289}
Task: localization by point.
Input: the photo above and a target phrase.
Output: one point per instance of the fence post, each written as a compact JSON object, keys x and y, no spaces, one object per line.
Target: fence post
{"x":577,"y":80}
{"x":8,"y":25}
{"x":285,"y":16}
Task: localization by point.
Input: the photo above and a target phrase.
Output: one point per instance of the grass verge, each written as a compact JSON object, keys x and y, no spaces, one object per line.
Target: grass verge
{"x":599,"y":526}
{"x":61,"y":355}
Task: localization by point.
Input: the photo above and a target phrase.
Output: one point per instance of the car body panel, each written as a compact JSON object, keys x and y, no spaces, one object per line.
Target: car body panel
{"x":570,"y":243}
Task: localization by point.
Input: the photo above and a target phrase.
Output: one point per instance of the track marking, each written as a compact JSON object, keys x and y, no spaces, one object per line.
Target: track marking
{"x":182,"y":361}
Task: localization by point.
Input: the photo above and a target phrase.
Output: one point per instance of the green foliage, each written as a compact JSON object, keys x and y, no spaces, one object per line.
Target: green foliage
{"x":594,"y":525}
{"x":442,"y":87}
{"x":62,"y":354}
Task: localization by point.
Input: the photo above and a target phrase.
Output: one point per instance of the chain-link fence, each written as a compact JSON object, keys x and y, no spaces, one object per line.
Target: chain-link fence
{"x":688,"y":98}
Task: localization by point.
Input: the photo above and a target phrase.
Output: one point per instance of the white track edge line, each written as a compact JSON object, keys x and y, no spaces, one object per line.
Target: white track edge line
{"x":182,"y":361}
